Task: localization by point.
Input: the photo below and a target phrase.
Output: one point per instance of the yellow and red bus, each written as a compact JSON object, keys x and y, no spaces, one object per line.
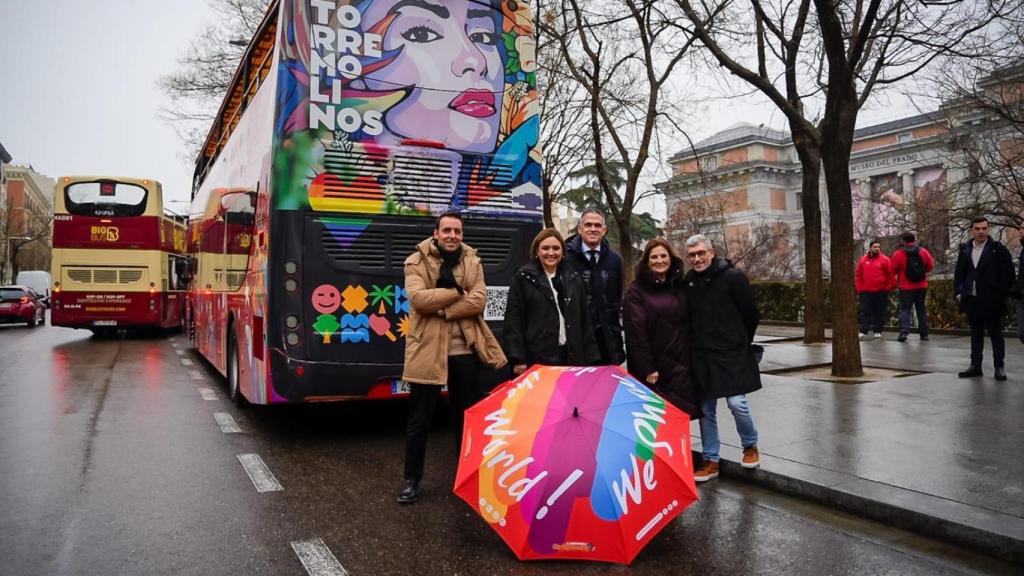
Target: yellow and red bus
{"x":347,"y":128}
{"x":118,"y":259}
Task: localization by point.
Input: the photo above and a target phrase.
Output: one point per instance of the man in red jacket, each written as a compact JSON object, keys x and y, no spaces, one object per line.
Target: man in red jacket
{"x":873,"y":280}
{"x":912,"y":264}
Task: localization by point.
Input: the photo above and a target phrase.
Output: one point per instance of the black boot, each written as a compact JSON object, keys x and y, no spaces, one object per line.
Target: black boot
{"x":973,"y":372}
{"x":410,"y":492}
{"x":1000,"y":373}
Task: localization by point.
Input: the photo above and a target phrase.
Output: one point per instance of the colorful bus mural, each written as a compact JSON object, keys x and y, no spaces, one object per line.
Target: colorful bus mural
{"x":349,"y":127}
{"x":118,"y":258}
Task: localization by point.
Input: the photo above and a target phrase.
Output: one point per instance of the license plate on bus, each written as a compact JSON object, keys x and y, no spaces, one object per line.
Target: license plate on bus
{"x":402,"y":387}
{"x":104,"y":323}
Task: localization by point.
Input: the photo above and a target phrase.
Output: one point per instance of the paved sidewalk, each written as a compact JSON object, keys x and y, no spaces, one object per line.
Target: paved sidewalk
{"x":929,"y":452}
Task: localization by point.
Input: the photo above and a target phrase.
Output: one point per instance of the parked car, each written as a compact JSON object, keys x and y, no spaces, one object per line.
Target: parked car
{"x":21,"y":304}
{"x":38,"y":280}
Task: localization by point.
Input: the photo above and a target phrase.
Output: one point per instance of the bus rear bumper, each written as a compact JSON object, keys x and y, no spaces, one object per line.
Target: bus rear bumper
{"x":296,"y":380}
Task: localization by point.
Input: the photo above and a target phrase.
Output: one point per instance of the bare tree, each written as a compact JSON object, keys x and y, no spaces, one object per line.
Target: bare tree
{"x":774,"y":69}
{"x":819,"y":62}
{"x":204,"y":72}
{"x":565,"y":134}
{"x":622,"y":54}
{"x":24,"y":241}
{"x":984,"y":111}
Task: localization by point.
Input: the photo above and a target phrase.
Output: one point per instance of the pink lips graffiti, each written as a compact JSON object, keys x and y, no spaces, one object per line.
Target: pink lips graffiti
{"x":475,"y":103}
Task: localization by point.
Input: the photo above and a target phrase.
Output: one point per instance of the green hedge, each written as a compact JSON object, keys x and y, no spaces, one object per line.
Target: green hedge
{"x":784,"y":302}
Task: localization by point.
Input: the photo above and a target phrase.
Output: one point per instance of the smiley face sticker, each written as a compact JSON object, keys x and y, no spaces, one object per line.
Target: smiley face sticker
{"x":326,"y":299}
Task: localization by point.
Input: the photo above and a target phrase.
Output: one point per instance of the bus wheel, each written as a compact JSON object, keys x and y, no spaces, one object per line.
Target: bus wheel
{"x":234,"y":392}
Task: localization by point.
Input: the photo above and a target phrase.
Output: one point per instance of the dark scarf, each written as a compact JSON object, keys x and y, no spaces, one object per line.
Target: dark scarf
{"x":448,"y":262}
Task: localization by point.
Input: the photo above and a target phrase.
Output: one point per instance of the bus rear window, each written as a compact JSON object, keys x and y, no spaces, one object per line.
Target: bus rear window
{"x":105,"y":199}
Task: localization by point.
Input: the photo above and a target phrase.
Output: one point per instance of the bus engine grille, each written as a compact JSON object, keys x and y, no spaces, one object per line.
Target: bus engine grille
{"x":104,"y":275}
{"x":383,"y":247}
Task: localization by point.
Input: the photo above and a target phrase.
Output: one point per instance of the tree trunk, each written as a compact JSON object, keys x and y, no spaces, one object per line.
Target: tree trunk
{"x":837,"y":140}
{"x":549,"y":221}
{"x":810,"y":202}
{"x":626,"y":252}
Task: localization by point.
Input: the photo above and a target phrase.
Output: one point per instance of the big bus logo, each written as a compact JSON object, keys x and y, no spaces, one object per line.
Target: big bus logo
{"x":244,"y":240}
{"x":104,"y":234}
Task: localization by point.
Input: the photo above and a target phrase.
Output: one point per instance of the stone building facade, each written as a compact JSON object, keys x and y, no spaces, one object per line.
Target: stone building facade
{"x":27,"y":225}
{"x":743,"y":186}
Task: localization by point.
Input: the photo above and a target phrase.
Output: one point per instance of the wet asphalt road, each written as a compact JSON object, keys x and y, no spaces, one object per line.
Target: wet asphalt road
{"x":111,"y":462}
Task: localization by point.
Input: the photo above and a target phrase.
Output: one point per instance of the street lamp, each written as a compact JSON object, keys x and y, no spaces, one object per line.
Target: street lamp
{"x":7,"y":258}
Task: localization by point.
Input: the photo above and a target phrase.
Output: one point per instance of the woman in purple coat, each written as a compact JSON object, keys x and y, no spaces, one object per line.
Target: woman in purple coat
{"x":655,"y":322}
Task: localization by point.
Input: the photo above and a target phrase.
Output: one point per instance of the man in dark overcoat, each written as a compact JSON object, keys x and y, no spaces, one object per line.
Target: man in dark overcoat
{"x":723,"y":317}
{"x":590,"y":254}
{"x":983,"y":278}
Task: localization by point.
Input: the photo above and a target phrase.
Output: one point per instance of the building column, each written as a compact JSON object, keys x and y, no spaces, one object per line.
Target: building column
{"x":867,"y":210}
{"x":909,"y":199}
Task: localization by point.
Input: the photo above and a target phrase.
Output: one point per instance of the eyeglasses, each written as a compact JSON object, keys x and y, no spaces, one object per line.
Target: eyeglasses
{"x":700,"y":255}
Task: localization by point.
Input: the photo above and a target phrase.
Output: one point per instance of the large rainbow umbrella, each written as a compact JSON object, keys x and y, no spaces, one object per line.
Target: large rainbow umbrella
{"x":579,"y":463}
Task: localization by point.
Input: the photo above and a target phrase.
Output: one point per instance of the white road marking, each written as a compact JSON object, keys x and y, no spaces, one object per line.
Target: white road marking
{"x":258,"y":472}
{"x":196,"y":375}
{"x":226,"y":422}
{"x":317,"y":558}
{"x":179,"y":352}
{"x":208,"y":393}
{"x":186,"y":361}
{"x":174,"y":343}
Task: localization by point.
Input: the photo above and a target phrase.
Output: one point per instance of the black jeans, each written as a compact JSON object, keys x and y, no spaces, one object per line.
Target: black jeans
{"x":983,"y":319}
{"x":872,"y":311}
{"x":463,"y":392}
{"x":916,"y":299}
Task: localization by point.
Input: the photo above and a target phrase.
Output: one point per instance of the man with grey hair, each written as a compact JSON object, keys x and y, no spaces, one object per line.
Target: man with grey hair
{"x":590,"y":254}
{"x":723,"y":318}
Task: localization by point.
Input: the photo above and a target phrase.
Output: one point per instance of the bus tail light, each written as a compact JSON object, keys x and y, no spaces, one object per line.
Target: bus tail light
{"x":423,"y":143}
{"x":291,"y":285}
{"x":257,"y":337}
{"x":301,"y":370}
{"x":152,"y":288}
{"x":292,"y":339}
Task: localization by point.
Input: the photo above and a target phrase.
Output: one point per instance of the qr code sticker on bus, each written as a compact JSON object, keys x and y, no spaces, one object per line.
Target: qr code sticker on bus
{"x":497,"y":299}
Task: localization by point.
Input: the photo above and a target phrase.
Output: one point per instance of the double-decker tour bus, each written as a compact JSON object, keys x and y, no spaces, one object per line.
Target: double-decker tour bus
{"x":348,"y":127}
{"x":118,"y":258}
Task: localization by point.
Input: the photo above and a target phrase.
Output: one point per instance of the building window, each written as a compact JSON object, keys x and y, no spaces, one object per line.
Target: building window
{"x":905,"y":137}
{"x":799,"y":201}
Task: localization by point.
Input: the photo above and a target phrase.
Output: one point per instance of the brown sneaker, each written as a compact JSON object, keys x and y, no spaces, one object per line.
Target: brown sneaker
{"x":751,"y":459}
{"x":707,"y":471}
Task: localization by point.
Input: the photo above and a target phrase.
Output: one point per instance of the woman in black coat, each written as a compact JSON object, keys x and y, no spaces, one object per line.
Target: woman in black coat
{"x":655,"y":319}
{"x":546,"y":319}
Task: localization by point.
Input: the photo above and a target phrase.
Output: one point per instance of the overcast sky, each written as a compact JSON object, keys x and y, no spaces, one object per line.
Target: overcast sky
{"x":79,"y":91}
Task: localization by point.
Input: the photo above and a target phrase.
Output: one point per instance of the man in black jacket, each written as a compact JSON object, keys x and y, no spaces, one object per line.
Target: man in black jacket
{"x":984,"y":275}
{"x":723,"y":318}
{"x":601,"y":268}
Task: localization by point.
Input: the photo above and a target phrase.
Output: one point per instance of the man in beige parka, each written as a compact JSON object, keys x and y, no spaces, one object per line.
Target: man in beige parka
{"x":447,"y":340}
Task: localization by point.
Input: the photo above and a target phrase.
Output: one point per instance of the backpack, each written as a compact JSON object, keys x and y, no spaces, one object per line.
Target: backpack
{"x":915,"y":270}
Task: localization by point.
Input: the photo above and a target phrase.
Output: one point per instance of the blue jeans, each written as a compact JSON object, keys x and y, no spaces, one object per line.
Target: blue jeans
{"x":709,"y":439}
{"x":913,"y":300}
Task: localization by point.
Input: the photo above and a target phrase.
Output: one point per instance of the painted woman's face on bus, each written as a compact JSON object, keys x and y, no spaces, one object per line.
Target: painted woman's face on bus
{"x":449,"y":57}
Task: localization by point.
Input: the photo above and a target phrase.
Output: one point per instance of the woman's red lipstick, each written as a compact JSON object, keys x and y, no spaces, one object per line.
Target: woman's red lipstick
{"x":475,"y":103}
